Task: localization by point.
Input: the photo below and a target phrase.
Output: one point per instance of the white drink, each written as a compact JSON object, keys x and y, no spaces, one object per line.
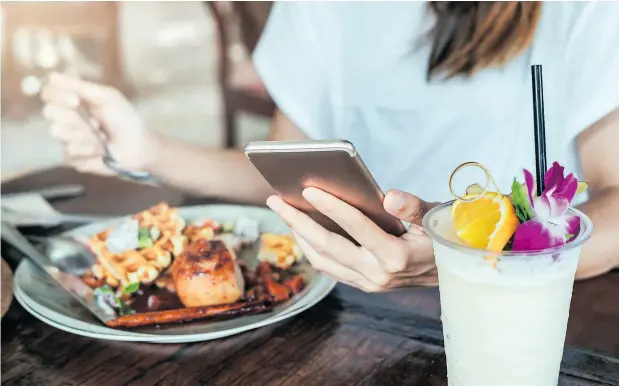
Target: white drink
{"x":503,"y":324}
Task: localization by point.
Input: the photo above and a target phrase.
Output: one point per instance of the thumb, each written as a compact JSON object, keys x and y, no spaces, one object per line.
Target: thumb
{"x":406,"y":206}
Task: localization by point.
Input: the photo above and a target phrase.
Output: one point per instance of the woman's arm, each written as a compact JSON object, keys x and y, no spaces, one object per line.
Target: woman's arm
{"x":599,"y":157}
{"x":217,"y":173}
{"x":221,"y":173}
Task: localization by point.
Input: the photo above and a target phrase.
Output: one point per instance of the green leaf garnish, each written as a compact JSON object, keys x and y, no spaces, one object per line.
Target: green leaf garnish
{"x":144,"y":239}
{"x":520,"y":200}
{"x":131,"y":288}
{"x":227,"y":226}
{"x":117,"y":304}
{"x":123,"y":309}
{"x":509,"y":245}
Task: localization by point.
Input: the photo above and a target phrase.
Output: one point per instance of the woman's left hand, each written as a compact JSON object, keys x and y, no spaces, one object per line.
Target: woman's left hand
{"x":382,"y":262}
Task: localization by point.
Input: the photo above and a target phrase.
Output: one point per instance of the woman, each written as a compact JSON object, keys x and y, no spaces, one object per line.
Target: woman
{"x":419,"y":88}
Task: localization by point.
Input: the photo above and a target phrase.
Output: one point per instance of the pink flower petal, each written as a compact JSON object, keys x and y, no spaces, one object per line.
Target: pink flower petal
{"x":551,"y":225}
{"x":555,"y":181}
{"x":529,"y":181}
{"x":542,"y":208}
{"x":573,"y":227}
{"x":534,"y":235}
{"x":569,"y":187}
{"x":557,"y":205}
{"x":554,"y":176}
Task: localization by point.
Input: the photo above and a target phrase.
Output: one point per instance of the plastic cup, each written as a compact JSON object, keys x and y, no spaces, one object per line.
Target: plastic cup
{"x":504,"y":314}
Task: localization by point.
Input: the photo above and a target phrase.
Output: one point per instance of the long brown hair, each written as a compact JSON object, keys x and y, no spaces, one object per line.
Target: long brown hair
{"x":472,"y":35}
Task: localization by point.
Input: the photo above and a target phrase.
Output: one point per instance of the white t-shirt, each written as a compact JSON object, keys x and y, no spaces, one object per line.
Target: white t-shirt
{"x":352,"y":70}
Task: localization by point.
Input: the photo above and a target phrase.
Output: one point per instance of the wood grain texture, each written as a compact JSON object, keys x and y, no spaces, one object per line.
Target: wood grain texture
{"x":350,"y":338}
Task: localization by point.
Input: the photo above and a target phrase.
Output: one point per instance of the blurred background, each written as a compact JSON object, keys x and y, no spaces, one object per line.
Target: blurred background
{"x":185,"y":66}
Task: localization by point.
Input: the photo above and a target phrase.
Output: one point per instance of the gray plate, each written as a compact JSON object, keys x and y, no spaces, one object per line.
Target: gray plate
{"x":47,"y":301}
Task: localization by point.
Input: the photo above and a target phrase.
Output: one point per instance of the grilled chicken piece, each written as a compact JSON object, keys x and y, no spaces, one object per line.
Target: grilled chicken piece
{"x":206,"y":273}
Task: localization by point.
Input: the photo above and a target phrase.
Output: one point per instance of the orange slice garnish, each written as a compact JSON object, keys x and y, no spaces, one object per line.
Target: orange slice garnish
{"x":486,"y":223}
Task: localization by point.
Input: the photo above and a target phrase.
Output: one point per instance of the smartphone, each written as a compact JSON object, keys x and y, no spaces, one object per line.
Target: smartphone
{"x":333,"y":166}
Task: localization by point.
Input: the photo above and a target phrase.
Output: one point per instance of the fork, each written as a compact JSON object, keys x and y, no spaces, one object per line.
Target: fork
{"x":110,"y":161}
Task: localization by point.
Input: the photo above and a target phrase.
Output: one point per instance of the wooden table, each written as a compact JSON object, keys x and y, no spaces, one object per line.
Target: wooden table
{"x":350,"y":338}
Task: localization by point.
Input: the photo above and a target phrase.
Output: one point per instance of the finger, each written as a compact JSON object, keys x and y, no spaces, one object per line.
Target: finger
{"x":77,"y":143}
{"x":327,"y":265}
{"x":429,"y":279}
{"x":69,"y":134}
{"x":366,"y":286}
{"x":355,"y":223}
{"x":376,"y":281}
{"x":324,"y":242}
{"x":65,"y":116}
{"x":85,"y":163}
{"x":84,"y":150}
{"x":92,"y":165}
{"x":334,"y":270}
{"x":59,"y":96}
{"x":338,"y":248}
{"x":91,"y":92}
{"x":63,"y":133}
{"x":68,"y":123}
{"x":417,"y":230}
{"x":389,"y":253}
{"x":405,"y":206}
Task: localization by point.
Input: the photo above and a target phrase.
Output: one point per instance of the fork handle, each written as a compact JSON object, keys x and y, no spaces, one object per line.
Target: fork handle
{"x":19,"y":241}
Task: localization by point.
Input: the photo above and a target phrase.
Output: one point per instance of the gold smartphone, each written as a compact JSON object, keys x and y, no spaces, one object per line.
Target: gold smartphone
{"x":332,"y":166}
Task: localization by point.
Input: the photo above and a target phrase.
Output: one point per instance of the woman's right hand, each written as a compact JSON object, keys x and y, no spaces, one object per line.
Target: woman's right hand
{"x":131,"y":144}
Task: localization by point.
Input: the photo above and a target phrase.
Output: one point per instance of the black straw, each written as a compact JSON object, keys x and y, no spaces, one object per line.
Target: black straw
{"x":540,"y":129}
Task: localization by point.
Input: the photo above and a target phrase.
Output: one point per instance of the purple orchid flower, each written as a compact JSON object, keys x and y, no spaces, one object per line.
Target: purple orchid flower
{"x":551,"y":226}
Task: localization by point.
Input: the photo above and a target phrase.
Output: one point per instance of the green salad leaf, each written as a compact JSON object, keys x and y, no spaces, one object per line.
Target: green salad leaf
{"x":520,"y":200}
{"x":509,"y":245}
{"x":228,"y":226}
{"x":123,"y":309}
{"x":131,"y":288}
{"x":144,"y":239}
{"x":111,"y":298}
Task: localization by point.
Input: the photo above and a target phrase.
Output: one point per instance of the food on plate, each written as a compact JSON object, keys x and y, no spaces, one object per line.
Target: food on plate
{"x":158,"y":239}
{"x":188,"y":314}
{"x":204,"y":229}
{"x":279,"y":250}
{"x":165,"y":281}
{"x":158,"y":268}
{"x":266,"y":288}
{"x":206,"y":273}
{"x":247,"y":229}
